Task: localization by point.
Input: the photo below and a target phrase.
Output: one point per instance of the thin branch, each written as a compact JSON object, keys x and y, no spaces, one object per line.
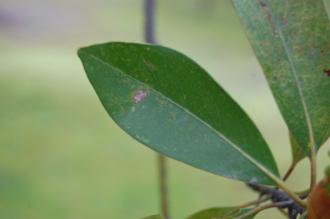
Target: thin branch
{"x":276,"y":195}
{"x":255,"y":202}
{"x":289,"y":171}
{"x":149,"y":37}
{"x":298,"y":154}
{"x":303,"y":194}
{"x":247,"y":204}
{"x":163,"y":187}
{"x":149,"y":29}
{"x":264,"y":207}
{"x":313,"y":167}
{"x":290,"y":193}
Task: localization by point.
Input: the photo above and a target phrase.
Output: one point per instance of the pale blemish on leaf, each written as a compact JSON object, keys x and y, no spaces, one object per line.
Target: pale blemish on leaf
{"x":149,"y":64}
{"x":139,"y":96}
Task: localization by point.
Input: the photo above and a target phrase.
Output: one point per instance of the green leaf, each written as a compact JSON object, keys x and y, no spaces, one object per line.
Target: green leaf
{"x":297,"y":151}
{"x":291,"y":41}
{"x":169,"y":103}
{"x":220,"y":213}
{"x":153,"y":217}
{"x":297,"y":154}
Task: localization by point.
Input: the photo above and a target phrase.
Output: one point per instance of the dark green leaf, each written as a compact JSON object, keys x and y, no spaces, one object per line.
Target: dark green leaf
{"x":168,"y":102}
{"x":153,"y":217}
{"x":220,"y":213}
{"x":291,"y":39}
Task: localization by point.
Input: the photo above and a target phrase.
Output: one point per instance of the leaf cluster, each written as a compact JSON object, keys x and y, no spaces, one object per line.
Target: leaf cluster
{"x":166,"y":101}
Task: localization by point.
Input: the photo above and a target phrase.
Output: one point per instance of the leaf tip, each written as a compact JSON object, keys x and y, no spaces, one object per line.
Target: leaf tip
{"x":80,"y":52}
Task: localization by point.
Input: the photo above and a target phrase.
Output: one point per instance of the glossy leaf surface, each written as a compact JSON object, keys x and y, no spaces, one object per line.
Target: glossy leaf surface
{"x":291,"y":39}
{"x":169,"y":103}
{"x":220,"y":213}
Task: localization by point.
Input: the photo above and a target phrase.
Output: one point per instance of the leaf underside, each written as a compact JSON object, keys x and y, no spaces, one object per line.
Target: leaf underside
{"x":291,"y":39}
{"x":169,"y":103}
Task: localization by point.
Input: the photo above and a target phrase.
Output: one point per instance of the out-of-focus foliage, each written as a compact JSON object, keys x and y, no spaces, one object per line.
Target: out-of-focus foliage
{"x":60,"y":159}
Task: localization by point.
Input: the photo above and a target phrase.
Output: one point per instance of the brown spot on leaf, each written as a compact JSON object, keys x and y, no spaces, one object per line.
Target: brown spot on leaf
{"x":326,"y":72}
{"x":270,"y":19}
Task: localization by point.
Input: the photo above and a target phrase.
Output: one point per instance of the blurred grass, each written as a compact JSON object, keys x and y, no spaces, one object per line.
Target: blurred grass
{"x":60,"y":154}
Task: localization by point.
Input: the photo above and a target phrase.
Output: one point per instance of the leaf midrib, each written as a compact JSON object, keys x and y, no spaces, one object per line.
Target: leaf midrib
{"x":271,"y":175}
{"x":297,"y":82}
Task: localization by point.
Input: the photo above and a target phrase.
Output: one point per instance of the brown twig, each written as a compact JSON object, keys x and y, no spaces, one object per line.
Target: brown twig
{"x":289,"y":171}
{"x":163,"y":187}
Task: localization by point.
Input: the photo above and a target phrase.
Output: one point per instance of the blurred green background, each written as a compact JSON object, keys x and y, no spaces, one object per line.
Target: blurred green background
{"x":61,"y":156}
